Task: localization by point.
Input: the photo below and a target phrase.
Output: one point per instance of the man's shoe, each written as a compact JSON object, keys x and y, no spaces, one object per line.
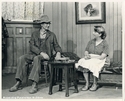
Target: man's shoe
{"x":15,"y":88}
{"x":33,"y":90}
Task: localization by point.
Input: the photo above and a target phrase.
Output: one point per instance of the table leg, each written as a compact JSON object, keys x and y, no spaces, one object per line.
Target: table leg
{"x":75,"y":80}
{"x":51,"y":80}
{"x":60,"y":79}
{"x":66,"y":81}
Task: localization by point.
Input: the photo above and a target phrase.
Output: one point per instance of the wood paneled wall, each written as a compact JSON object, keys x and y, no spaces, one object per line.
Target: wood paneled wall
{"x":17,"y":43}
{"x":74,"y":38}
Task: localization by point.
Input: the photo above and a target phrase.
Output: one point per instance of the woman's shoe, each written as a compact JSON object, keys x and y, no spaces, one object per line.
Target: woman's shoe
{"x":94,"y":87}
{"x":85,"y":88}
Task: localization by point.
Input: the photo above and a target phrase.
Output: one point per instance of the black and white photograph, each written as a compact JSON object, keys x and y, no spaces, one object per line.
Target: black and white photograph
{"x":62,"y":50}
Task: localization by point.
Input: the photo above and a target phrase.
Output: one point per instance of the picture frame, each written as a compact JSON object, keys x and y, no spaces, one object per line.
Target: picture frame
{"x":90,"y":12}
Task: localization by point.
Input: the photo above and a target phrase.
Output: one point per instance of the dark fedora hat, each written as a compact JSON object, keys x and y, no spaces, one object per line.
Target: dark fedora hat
{"x":43,"y":19}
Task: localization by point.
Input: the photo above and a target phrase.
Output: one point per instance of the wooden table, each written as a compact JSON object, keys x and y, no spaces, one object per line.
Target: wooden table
{"x":57,"y":68}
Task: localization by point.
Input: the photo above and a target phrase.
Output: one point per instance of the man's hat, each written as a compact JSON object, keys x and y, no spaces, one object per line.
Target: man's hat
{"x":43,"y":19}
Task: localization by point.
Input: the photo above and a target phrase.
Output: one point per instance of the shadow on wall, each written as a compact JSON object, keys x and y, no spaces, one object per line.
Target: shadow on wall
{"x":71,"y":46}
{"x":117,"y":56}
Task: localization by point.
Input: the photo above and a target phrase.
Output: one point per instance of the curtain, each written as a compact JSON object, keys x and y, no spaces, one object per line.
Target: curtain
{"x":22,"y":10}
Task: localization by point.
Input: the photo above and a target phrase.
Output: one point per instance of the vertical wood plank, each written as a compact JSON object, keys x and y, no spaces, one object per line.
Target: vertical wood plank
{"x":115,"y":41}
{"x":55,"y":14}
{"x":19,"y":47}
{"x":74,"y":30}
{"x":79,"y":40}
{"x":64,"y":26}
{"x":10,"y":52}
{"x":106,"y":25}
{"x":111,"y":35}
{"x":86,"y":33}
{"x":27,"y":39}
{"x":15,"y":49}
{"x":54,"y":10}
{"x":69,"y":27}
{"x":48,"y":11}
{"x":59,"y":24}
{"x":120,"y":34}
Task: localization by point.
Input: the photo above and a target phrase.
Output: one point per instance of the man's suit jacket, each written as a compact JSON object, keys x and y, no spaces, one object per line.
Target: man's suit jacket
{"x":50,"y":41}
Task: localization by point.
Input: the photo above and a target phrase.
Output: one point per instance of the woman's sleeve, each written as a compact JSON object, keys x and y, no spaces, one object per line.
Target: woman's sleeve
{"x":87,"y":47}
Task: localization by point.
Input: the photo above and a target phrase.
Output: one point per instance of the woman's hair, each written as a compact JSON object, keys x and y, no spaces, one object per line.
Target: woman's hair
{"x":101,"y":31}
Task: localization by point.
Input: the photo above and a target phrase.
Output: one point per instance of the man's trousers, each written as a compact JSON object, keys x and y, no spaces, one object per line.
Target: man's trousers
{"x":22,"y":66}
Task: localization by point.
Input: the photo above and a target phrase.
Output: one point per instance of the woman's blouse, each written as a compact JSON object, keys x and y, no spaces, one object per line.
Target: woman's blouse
{"x":99,"y":49}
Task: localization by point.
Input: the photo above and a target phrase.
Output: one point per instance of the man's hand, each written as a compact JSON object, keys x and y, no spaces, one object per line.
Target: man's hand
{"x":58,"y":56}
{"x":45,"y":56}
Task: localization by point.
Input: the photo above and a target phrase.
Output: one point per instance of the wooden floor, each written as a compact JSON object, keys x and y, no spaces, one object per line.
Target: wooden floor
{"x":104,"y":92}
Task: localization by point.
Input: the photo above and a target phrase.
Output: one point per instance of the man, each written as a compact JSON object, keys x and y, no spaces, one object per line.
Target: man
{"x":42,"y":44}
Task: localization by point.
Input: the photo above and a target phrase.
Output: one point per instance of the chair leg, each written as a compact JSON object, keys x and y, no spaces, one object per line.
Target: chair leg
{"x":27,"y":76}
{"x":27,"y":81}
{"x":99,"y":76}
{"x":29,"y":66}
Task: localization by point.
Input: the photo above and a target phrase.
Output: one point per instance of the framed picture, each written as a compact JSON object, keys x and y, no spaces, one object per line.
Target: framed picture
{"x":90,"y":12}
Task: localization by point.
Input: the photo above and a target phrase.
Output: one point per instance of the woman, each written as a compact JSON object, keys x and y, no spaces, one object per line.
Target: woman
{"x":95,"y":57}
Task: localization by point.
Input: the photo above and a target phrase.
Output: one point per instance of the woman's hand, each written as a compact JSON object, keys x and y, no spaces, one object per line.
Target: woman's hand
{"x":87,"y":56}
